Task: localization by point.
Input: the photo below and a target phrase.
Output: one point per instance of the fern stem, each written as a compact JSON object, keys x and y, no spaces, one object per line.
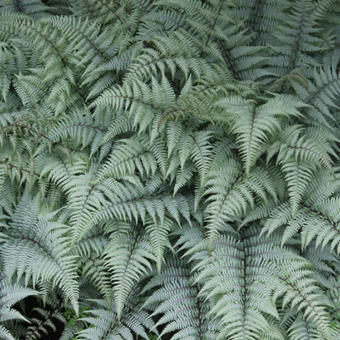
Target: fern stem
{"x":213,"y":24}
{"x":103,"y":3}
{"x":296,"y":48}
{"x":199,"y":314}
{"x":245,"y":290}
{"x":228,"y":58}
{"x":19,"y":6}
{"x":63,"y":61}
{"x":19,"y":168}
{"x":316,"y":94}
{"x":255,"y":18}
{"x":325,"y":217}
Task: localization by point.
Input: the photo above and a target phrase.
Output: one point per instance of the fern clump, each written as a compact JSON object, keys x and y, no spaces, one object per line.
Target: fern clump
{"x":169,"y":169}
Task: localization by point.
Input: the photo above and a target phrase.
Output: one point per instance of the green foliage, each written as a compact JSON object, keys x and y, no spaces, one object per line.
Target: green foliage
{"x":36,"y":248}
{"x":10,"y":294}
{"x":169,"y":169}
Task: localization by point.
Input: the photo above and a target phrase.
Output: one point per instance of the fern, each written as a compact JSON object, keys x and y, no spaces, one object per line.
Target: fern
{"x":135,"y":256}
{"x":10,"y":294}
{"x":169,"y":169}
{"x":103,"y":322}
{"x":253,"y":125}
{"x":250,"y":274}
{"x":231,"y":192}
{"x":313,"y":220}
{"x":176,"y":298}
{"x":35,"y":248}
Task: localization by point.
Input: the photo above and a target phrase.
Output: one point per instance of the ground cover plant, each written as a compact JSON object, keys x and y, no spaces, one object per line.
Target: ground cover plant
{"x":169,"y":169}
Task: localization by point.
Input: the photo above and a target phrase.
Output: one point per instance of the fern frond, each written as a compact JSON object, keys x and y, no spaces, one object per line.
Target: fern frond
{"x":134,"y":203}
{"x":44,"y":321}
{"x":297,"y":176}
{"x":128,"y":258}
{"x":231,"y":192}
{"x":35,"y":248}
{"x":241,"y":309}
{"x":170,"y":54}
{"x":128,"y":157}
{"x":297,"y":36}
{"x":139,"y":100}
{"x":175,"y":297}
{"x":317,"y":217}
{"x":301,"y":329}
{"x":10,"y":294}
{"x":84,"y":36}
{"x":321,"y":94}
{"x":102,"y":322}
{"x":301,"y":144}
{"x":259,"y":17}
{"x":254,"y":125}
{"x":82,"y":128}
{"x":158,"y":233}
{"x":35,"y":8}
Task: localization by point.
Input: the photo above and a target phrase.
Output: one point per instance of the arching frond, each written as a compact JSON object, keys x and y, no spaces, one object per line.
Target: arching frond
{"x":103,"y":322}
{"x":297,"y":176}
{"x":297,"y":37}
{"x":175,"y":297}
{"x":231,"y":192}
{"x":254,"y":125}
{"x":36,"y":248}
{"x":128,"y":258}
{"x":242,"y":275}
{"x":321,"y":94}
{"x":10,"y":294}
{"x":317,"y":217}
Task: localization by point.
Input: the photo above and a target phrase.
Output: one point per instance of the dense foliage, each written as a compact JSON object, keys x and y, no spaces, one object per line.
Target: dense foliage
{"x":169,"y":169}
